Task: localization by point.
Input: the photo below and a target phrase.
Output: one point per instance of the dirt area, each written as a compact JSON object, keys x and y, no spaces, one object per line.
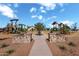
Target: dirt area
{"x":8,"y":48}
{"x":70,"y":47}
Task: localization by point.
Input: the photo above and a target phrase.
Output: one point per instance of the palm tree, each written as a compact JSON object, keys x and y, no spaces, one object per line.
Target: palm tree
{"x":39,"y":27}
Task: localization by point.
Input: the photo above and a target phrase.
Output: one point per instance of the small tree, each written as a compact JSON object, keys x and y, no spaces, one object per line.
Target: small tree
{"x":39,"y":27}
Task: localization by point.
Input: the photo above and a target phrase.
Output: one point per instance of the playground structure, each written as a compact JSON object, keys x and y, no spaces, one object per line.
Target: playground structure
{"x":12,"y":26}
{"x":18,"y":31}
{"x":21,"y":27}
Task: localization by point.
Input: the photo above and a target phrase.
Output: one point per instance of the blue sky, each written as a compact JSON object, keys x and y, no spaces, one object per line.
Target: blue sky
{"x":31,"y":13}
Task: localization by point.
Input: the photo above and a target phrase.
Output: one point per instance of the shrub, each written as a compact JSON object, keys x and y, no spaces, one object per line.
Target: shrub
{"x":62,"y":47}
{"x":71,"y":44}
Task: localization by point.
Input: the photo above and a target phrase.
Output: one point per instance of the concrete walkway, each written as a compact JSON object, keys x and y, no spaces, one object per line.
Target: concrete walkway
{"x":40,"y":47}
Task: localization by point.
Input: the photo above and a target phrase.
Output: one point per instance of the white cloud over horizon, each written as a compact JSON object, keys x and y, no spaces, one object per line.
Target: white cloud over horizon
{"x":69,"y":23}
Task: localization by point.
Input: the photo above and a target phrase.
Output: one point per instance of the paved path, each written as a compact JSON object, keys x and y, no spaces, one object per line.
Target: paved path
{"x":40,"y":47}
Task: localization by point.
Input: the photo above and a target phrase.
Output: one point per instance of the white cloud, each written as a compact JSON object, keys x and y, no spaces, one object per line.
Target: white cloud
{"x":34,"y":16}
{"x":42,"y":7}
{"x":7,"y":11}
{"x":49,"y":6}
{"x":52,"y":17}
{"x":69,"y":23}
{"x":43,"y":11}
{"x":40,"y":17}
{"x":33,"y":9}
